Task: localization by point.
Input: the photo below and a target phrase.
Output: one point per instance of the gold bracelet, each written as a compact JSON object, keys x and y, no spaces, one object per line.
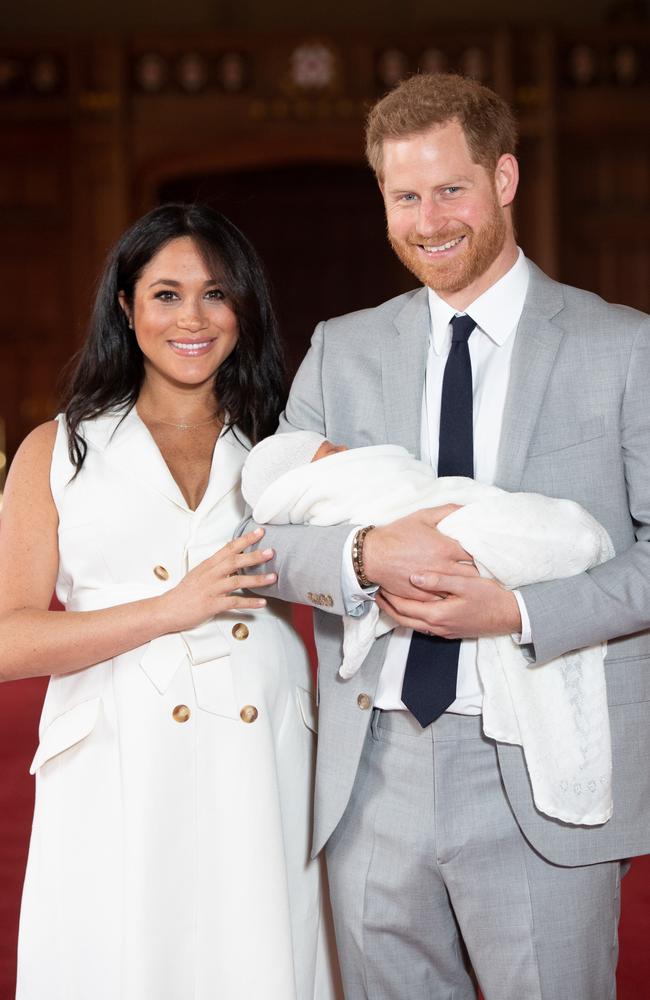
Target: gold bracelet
{"x":357,"y":556}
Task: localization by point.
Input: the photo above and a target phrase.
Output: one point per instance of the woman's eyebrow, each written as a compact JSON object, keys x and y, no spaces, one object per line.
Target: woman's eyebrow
{"x":177,"y":284}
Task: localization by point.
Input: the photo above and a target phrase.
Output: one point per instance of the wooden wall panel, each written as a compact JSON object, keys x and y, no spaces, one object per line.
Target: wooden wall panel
{"x":95,"y":131}
{"x":36,"y":286}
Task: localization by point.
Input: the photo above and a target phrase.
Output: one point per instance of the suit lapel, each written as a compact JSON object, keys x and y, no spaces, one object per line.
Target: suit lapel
{"x":535,"y":349}
{"x":403,"y":364}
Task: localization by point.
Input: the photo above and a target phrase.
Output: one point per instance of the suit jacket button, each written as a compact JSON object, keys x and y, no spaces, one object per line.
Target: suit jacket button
{"x":248,"y":713}
{"x":240,"y":631}
{"x":363,"y":701}
{"x":181,"y":713}
{"x":161,"y":572}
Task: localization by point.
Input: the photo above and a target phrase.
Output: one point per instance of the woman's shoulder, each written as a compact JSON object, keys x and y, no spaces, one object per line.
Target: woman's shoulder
{"x":38,"y":446}
{"x":29,"y":474}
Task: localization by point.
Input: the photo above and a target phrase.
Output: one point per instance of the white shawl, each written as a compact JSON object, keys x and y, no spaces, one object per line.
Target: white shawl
{"x":557,"y":712}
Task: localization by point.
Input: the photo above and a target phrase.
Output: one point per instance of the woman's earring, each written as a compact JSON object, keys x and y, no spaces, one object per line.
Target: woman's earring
{"x":130,"y":323}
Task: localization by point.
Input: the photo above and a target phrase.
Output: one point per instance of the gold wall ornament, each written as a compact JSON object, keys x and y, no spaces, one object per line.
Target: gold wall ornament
{"x":192,"y":72}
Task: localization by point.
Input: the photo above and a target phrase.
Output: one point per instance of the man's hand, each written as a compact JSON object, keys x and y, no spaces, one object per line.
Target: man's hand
{"x":392,"y":553}
{"x":454,"y":607}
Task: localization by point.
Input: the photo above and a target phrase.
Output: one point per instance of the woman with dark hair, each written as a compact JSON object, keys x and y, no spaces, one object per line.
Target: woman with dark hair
{"x":169,"y":857}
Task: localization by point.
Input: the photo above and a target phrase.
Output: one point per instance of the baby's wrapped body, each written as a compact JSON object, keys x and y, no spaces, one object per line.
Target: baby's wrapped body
{"x":557,"y":711}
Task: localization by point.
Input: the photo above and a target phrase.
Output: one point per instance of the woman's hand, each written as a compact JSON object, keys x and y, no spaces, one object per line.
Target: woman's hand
{"x":208,"y":589}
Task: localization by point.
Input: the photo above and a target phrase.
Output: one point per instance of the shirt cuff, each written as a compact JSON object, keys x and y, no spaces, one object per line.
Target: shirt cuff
{"x":356,"y":599}
{"x":525,"y":639}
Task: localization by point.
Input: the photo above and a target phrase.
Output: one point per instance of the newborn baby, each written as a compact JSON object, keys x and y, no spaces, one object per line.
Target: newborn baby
{"x":557,"y":711}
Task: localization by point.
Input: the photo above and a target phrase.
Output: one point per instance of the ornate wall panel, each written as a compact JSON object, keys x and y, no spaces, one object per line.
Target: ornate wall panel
{"x":270,"y":127}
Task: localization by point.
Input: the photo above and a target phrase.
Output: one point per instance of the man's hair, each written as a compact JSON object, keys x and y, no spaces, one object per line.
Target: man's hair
{"x":430,"y":99}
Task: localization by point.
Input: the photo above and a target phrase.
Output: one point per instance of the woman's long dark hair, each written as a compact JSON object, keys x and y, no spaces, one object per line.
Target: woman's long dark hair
{"x":250,"y":385}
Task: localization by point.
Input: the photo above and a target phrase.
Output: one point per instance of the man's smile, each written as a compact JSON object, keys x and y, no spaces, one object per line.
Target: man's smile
{"x":442,"y":246}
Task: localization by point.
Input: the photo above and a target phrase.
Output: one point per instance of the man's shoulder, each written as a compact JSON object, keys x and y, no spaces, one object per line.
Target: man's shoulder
{"x":373,"y":318}
{"x":586,"y":310}
{"x":601,"y":311}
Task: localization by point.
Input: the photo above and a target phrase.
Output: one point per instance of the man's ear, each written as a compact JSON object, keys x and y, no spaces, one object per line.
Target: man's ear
{"x":124,"y":306}
{"x":506,"y":179}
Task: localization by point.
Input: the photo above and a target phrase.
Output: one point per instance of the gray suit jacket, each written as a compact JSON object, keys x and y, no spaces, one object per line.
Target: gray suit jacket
{"x":576,"y":425}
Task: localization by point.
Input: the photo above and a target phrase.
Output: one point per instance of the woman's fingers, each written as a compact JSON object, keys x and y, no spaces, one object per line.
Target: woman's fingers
{"x":244,"y":541}
{"x":241,"y":603}
{"x":234,"y":556}
{"x":253,"y":558}
{"x":247,"y":581}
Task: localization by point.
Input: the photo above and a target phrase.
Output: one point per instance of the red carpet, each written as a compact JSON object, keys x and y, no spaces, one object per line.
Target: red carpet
{"x":21,"y":701}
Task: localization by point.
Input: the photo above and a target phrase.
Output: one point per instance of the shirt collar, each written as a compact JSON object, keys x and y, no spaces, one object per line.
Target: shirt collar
{"x":496,"y":312}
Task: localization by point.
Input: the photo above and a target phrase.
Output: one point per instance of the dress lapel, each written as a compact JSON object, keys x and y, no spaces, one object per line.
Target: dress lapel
{"x":535,"y":349}
{"x":131,"y":447}
{"x":403,"y":365}
{"x":229,"y":455}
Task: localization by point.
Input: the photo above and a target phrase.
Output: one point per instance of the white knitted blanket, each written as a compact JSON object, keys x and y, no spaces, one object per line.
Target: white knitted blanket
{"x":557,"y":711}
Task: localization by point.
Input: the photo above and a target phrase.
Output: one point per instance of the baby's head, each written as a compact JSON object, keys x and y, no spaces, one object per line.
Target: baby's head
{"x":276,"y":455}
{"x":327,"y":448}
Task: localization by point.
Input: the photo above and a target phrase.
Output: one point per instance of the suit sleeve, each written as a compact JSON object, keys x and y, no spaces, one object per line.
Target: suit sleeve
{"x":307,"y":558}
{"x":612,"y":599}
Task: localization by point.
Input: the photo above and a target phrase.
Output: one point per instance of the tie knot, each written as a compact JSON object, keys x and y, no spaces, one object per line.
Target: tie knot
{"x":461,"y":327}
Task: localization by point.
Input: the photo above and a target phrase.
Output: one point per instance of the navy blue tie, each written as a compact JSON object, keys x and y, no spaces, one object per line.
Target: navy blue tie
{"x":432,"y":662}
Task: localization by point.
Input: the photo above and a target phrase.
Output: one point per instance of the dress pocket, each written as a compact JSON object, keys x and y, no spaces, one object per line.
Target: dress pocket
{"x":65,"y":731}
{"x":308,"y":709}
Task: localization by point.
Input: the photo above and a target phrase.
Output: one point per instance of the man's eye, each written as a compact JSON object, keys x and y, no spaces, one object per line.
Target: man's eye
{"x":452,"y":189}
{"x":409,"y":197}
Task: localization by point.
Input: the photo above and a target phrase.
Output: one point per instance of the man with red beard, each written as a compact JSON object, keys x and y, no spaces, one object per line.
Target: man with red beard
{"x":438,"y":857}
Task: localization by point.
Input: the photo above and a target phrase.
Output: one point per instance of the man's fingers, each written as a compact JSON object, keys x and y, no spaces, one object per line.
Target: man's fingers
{"x":433,"y":612}
{"x":434,"y":515}
{"x":440,"y":583}
{"x":418,"y":624}
{"x":465,"y":569}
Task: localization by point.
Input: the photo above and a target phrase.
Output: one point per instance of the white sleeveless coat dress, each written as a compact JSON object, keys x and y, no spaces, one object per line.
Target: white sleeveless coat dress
{"x":169,"y":857}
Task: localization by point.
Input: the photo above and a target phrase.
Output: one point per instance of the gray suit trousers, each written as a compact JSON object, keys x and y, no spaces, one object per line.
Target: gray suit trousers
{"x":429,"y":855}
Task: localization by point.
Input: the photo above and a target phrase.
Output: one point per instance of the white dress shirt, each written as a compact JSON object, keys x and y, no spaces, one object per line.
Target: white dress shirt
{"x":496,"y":313}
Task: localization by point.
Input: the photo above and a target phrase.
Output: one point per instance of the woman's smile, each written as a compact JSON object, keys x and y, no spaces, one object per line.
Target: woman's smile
{"x":192,"y":348}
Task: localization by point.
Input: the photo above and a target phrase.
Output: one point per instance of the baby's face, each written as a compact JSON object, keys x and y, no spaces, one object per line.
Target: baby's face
{"x":327,"y":448}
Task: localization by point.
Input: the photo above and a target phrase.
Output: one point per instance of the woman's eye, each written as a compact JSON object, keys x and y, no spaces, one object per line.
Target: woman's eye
{"x":215,"y":294}
{"x":165,"y":295}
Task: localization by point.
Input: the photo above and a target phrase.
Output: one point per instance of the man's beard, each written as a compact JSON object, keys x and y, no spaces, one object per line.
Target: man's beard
{"x":480,"y":250}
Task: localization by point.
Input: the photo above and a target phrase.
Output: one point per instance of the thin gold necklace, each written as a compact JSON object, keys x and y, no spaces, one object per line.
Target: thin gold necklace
{"x":184,"y":427}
